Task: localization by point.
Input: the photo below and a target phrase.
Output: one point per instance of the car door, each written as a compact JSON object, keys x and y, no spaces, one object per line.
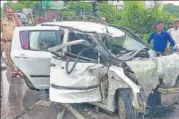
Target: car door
{"x":82,"y":83}
{"x":30,"y":55}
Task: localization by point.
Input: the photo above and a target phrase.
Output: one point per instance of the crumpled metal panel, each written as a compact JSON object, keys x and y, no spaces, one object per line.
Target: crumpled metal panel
{"x":75,"y":96}
{"x":84,"y":75}
{"x":149,"y":70}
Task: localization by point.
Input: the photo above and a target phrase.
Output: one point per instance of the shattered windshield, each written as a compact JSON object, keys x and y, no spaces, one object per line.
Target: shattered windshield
{"x":127,"y":42}
{"x":123,"y":43}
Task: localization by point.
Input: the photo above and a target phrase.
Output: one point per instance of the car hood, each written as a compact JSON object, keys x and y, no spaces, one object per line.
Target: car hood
{"x":149,"y":70}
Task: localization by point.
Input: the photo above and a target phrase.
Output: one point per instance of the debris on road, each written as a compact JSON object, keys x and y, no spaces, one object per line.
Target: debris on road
{"x":160,"y":111}
{"x":61,"y":114}
{"x":73,"y":111}
{"x":44,"y":103}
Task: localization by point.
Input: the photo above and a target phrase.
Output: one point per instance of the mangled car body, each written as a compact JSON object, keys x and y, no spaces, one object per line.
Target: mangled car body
{"x":75,"y":63}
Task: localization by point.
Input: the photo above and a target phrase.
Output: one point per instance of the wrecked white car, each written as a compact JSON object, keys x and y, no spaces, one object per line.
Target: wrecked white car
{"x":81,"y":68}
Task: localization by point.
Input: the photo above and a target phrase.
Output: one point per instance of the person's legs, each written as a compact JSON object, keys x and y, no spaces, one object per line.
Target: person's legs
{"x":12,"y":63}
{"x":172,"y":51}
{"x":9,"y":54}
{"x":8,"y":58}
{"x":176,"y":49}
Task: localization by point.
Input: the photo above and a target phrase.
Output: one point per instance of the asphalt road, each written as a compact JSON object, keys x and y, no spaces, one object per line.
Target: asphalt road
{"x":19,"y":102}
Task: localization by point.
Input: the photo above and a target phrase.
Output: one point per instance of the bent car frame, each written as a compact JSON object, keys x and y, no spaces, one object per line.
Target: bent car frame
{"x":78,"y":64}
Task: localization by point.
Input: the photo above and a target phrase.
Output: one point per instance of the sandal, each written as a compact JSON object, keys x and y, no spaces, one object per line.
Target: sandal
{"x":13,"y":74}
{"x":20,"y":74}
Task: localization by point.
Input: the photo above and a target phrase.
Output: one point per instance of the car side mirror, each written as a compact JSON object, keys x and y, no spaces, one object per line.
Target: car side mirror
{"x":61,"y":46}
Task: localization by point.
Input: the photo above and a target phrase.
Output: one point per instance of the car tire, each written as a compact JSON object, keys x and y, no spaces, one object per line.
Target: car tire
{"x":124,"y":105}
{"x":29,"y":84}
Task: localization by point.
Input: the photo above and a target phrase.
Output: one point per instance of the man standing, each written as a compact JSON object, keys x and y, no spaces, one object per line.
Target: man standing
{"x":31,"y":21}
{"x":54,"y":19}
{"x":174,"y":32}
{"x":103,"y":20}
{"x":9,"y":22}
{"x":160,"y":40}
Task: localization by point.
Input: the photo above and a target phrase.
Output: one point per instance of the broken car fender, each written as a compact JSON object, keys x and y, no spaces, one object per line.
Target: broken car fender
{"x":135,"y":88}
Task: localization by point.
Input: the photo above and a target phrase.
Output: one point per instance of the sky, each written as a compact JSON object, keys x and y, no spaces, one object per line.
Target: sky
{"x":173,"y":2}
{"x":164,"y":2}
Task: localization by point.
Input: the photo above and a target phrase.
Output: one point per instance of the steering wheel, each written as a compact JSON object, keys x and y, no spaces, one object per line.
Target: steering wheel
{"x":76,"y":61}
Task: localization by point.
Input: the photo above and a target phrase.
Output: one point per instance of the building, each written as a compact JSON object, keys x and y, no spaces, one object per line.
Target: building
{"x":148,"y":4}
{"x":118,"y":4}
{"x":52,"y":9}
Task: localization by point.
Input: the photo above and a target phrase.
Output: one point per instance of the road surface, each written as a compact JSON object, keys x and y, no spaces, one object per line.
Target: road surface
{"x":19,"y":102}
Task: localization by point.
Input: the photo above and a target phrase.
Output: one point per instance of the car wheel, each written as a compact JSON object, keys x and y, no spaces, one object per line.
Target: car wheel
{"x":124,"y":105}
{"x":29,"y":84}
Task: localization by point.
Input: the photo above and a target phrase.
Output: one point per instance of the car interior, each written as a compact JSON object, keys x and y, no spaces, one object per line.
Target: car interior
{"x":42,"y":40}
{"x":76,"y":49}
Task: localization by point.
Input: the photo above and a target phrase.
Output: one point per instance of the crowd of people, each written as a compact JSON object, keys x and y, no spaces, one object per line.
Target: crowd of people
{"x":160,"y":37}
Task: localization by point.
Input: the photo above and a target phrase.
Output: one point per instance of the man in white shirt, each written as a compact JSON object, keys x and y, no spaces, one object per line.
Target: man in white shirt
{"x":174,"y":32}
{"x":54,"y":20}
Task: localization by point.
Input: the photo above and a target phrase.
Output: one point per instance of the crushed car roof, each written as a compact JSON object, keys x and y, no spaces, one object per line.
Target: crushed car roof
{"x":89,"y":27}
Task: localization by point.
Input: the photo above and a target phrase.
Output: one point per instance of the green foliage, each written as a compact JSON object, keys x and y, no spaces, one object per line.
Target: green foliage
{"x":68,"y":14}
{"x":17,"y":6}
{"x":133,"y":15}
{"x":109,"y":11}
{"x":7,"y":5}
{"x":142,"y":20}
{"x":80,"y":7}
{"x":2,"y":13}
{"x":77,"y":9}
{"x":27,"y":3}
{"x":171,"y":8}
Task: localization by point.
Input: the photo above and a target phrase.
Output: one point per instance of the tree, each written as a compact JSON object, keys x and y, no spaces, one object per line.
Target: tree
{"x":109,"y":11}
{"x":141,"y":20}
{"x":77,"y":9}
{"x":7,"y":5}
{"x":171,"y":8}
{"x":17,"y":6}
{"x":2,"y":13}
{"x":134,"y":15}
{"x":27,"y":3}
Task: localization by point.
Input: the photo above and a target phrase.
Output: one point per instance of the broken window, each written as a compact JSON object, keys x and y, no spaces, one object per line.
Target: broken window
{"x":42,"y":40}
{"x":76,"y":49}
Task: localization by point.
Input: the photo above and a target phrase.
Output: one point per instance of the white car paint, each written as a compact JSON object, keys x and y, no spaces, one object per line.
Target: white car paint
{"x":85,"y":75}
{"x":32,"y":62}
{"x":89,"y":27}
{"x":26,"y":60}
